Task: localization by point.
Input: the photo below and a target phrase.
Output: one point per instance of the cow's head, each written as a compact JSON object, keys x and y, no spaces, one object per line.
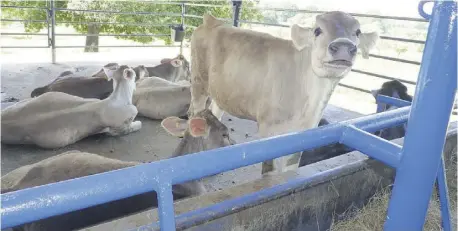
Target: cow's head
{"x":204,"y":126}
{"x":120,"y":74}
{"x":140,"y":72}
{"x":180,"y":63}
{"x":333,"y":41}
{"x":394,"y":89}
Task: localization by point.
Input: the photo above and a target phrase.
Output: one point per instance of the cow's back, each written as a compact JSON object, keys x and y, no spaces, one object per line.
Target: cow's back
{"x":95,"y":87}
{"x":245,"y":70}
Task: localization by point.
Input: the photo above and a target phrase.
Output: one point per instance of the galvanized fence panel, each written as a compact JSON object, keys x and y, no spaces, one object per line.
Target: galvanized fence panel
{"x":235,"y":20}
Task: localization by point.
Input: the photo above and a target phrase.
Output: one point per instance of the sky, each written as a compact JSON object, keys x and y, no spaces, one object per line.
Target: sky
{"x":406,"y":8}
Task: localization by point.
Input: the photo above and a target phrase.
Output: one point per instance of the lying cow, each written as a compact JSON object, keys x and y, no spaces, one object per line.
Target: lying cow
{"x":56,"y":119}
{"x":173,"y":70}
{"x":85,"y":87}
{"x":282,"y":84}
{"x":204,"y":132}
{"x":393,"y":89}
{"x":157,"y":98}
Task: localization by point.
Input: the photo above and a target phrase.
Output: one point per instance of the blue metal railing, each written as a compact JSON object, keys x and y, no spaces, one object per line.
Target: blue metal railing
{"x":36,"y":203}
{"x":417,"y":162}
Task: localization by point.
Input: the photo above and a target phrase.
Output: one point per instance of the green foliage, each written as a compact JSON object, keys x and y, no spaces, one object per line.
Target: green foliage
{"x":105,"y":21}
{"x":29,"y":14}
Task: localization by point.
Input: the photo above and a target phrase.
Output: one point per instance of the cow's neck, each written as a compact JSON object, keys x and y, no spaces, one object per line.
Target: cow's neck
{"x":122,"y":92}
{"x":314,"y":96}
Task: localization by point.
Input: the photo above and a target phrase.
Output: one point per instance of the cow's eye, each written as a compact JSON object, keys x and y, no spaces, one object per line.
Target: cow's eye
{"x":317,"y":31}
{"x":358,"y":32}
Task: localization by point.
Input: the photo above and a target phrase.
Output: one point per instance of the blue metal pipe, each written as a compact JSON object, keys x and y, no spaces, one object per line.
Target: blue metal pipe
{"x":37,"y":203}
{"x":371,"y":145}
{"x":166,"y":212}
{"x":392,"y":101}
{"x":428,"y":122}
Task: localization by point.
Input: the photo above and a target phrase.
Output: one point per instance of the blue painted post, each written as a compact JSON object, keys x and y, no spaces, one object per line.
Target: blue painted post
{"x":429,"y":117}
{"x":441,"y":176}
{"x":166,"y":211}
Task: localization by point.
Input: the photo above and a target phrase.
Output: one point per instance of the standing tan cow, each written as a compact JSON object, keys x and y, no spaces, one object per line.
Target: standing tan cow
{"x":282,"y":84}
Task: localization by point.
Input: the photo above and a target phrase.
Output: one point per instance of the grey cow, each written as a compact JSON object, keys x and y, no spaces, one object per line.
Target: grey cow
{"x":84,"y":87}
{"x":203,"y":132}
{"x":173,"y":70}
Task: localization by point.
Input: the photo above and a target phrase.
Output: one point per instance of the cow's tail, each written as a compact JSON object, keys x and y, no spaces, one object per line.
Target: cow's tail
{"x":210,"y":21}
{"x":39,"y":91}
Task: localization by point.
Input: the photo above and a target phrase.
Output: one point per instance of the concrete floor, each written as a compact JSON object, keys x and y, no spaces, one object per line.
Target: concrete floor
{"x":151,"y":143}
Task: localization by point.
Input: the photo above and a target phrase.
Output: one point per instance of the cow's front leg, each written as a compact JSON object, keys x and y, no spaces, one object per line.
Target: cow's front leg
{"x":199,"y":97}
{"x":216,"y":110}
{"x":281,"y":164}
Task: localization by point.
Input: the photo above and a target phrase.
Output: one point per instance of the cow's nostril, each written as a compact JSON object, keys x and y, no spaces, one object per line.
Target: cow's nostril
{"x":333,"y":48}
{"x":353,"y":50}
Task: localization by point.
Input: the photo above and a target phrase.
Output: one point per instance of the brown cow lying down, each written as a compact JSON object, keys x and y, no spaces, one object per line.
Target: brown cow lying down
{"x":201,"y":133}
{"x":173,"y":70}
{"x":56,"y":119}
{"x":157,"y":98}
{"x":282,"y":84}
{"x":85,"y":87}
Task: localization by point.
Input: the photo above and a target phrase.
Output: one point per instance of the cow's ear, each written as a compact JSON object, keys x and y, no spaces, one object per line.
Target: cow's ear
{"x":128,"y":73}
{"x":367,"y":41}
{"x":175,"y":126}
{"x":301,"y":36}
{"x":176,"y":63}
{"x":198,"y":127}
{"x":110,"y":69}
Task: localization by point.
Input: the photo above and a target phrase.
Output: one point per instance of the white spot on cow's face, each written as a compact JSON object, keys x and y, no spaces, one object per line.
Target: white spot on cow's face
{"x":335,"y":41}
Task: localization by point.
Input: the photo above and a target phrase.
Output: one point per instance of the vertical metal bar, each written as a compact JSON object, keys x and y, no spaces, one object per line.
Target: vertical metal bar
{"x":443,"y":196}
{"x":48,"y":15}
{"x":236,"y":5}
{"x":53,"y":31}
{"x":429,"y":117}
{"x":166,"y":211}
{"x":183,"y":12}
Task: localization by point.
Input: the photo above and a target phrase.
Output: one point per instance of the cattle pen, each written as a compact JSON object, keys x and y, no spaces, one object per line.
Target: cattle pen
{"x":303,"y":200}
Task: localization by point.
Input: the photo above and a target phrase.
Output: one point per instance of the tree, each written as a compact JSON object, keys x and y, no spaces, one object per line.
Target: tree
{"x":148,"y":19}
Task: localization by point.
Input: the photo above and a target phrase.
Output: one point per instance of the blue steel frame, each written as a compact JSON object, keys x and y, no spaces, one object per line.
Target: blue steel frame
{"x":431,"y":108}
{"x":441,"y":177}
{"x":417,"y":162}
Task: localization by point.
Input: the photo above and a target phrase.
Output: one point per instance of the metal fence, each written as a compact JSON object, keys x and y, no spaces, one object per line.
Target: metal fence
{"x":51,"y":22}
{"x":417,"y":162}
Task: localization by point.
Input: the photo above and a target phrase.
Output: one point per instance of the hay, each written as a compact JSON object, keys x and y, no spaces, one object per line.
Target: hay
{"x":373,"y":215}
